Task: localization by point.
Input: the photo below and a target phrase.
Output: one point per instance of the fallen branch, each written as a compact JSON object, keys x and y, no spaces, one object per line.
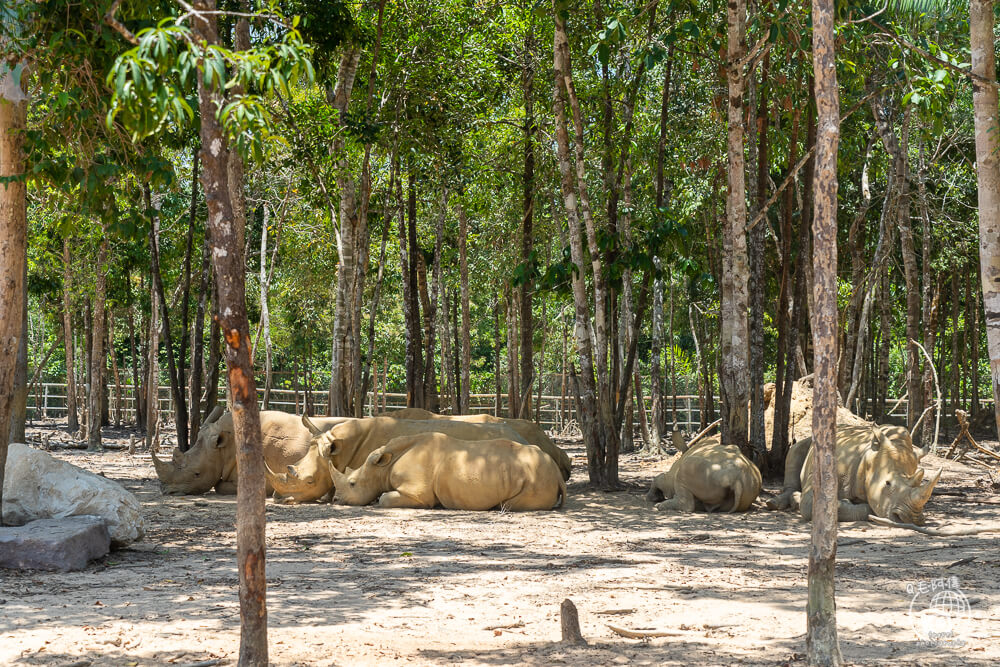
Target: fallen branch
{"x":936,"y":532}
{"x":646,"y":634}
{"x":702,"y":434}
{"x":960,"y":562}
{"x":508,"y":626}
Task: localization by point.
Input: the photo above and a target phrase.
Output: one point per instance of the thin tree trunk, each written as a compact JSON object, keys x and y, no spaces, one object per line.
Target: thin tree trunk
{"x":463,"y":277}
{"x":13,"y":250}
{"x":71,"y":410}
{"x":595,"y":395}
{"x":19,"y":406}
{"x":988,"y":178}
{"x":341,"y":370}
{"x":197,"y":342}
{"x":227,"y":256}
{"x":97,"y":356}
{"x":447,"y":376}
{"x":114,"y":371}
{"x":755,"y":252}
{"x":411,"y":309}
{"x":527,"y":239}
{"x":734,"y":371}
{"x":176,"y":386}
{"x":822,"y":645}
{"x":779,"y":435}
{"x":376,"y":296}
{"x":191,"y":422}
{"x":429,"y":381}
{"x":137,"y":393}
{"x":497,"y":401}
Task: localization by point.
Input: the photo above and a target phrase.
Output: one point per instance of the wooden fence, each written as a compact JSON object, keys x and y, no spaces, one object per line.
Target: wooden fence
{"x":48,"y":400}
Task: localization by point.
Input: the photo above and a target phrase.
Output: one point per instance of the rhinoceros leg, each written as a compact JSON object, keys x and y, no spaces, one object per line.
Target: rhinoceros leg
{"x":226,"y":488}
{"x":846,"y":510}
{"x":683,"y":501}
{"x":397,"y":499}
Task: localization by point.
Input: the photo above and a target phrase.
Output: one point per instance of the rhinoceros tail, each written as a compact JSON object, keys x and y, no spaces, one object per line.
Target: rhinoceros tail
{"x":737,"y":495}
{"x":562,"y":494}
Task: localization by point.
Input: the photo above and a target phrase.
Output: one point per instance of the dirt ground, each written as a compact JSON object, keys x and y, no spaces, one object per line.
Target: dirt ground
{"x":362,"y":586}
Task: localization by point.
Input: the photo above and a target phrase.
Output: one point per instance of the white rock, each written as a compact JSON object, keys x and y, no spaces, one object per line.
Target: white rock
{"x":38,"y":486}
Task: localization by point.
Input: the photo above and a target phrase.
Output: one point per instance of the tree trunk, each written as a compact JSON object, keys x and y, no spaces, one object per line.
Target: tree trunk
{"x":463,"y":269}
{"x":13,"y":250}
{"x":114,"y":370}
{"x":71,"y":410}
{"x":593,"y":399}
{"x":377,"y":294}
{"x":227,"y":257}
{"x":176,"y":382}
{"x":779,"y":433}
{"x":985,"y":103}
{"x":19,"y":406}
{"x":734,"y":371}
{"x":411,"y":309}
{"x":197,"y":341}
{"x":133,"y":349}
{"x":822,"y":645}
{"x":527,"y":240}
{"x":265,"y":315}
{"x":429,"y":381}
{"x":596,"y":400}
{"x":97,"y":356}
{"x":755,"y":251}
{"x":348,"y":234}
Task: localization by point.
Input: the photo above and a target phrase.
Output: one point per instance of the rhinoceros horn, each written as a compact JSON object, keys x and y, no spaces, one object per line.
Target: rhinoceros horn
{"x":308,"y":423}
{"x":283,"y":478}
{"x":917,"y":477}
{"x":923,"y":492}
{"x":339,"y":478}
{"x":213,"y":416}
{"x":164,"y":470}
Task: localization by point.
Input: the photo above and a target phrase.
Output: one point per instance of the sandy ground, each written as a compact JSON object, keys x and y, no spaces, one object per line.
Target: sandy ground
{"x":362,"y":586}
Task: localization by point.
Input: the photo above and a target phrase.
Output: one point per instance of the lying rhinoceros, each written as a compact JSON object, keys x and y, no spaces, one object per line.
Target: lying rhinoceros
{"x":528,"y":430}
{"x":350,"y":443}
{"x":708,"y":475}
{"x":877,"y":472}
{"x":211,"y":462}
{"x":431,"y":469}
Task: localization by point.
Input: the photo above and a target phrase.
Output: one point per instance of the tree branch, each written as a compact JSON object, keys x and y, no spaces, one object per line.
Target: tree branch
{"x":118,"y":26}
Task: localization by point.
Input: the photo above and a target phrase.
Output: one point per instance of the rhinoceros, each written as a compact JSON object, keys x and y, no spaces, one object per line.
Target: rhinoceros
{"x":529,"y":430}
{"x":877,"y":471}
{"x":431,"y":469}
{"x":349,"y":443}
{"x":211,"y":462}
{"x":707,"y":475}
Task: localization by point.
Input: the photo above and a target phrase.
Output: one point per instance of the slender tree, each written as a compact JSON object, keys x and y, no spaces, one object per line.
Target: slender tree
{"x":13,"y":244}
{"x":822,"y":645}
{"x":984,"y":97}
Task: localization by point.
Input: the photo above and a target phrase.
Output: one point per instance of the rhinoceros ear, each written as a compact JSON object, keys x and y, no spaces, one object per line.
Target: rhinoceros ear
{"x":380,"y":457}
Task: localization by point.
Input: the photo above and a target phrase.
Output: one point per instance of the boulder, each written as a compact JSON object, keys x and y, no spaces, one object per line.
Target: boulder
{"x":39,"y":486}
{"x":54,"y":544}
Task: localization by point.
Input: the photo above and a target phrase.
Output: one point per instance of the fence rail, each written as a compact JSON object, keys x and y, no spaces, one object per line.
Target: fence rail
{"x":48,"y":400}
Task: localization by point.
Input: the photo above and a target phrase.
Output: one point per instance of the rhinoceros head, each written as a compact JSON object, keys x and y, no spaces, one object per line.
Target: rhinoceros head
{"x":198,"y":469}
{"x":336,"y":443}
{"x":363,"y":485}
{"x":895,"y":487}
